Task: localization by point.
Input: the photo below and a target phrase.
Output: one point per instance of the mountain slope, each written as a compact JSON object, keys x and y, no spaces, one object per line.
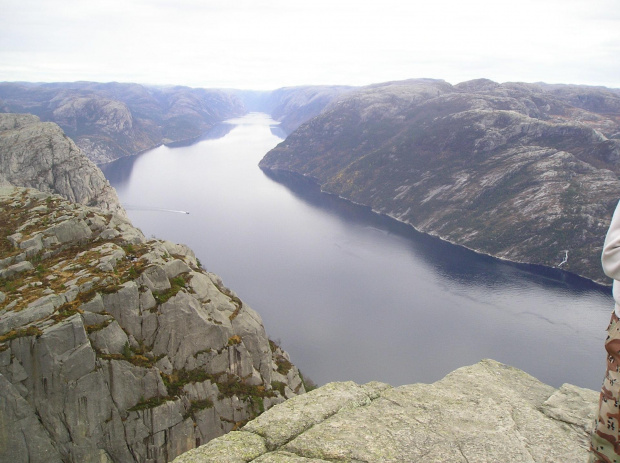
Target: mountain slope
{"x":110,"y":120}
{"x":292,"y":106}
{"x":518,"y":171}
{"x":116,"y":347}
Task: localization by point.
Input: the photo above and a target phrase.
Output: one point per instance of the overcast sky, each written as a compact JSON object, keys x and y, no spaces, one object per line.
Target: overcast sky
{"x":267,"y":44}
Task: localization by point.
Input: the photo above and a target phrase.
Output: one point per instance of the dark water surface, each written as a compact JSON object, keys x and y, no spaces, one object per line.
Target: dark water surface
{"x":350,"y":294}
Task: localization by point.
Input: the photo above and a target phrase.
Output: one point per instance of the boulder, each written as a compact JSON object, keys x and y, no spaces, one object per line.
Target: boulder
{"x":155,"y":279}
{"x":124,"y":305}
{"x":175,"y":267}
{"x":185,"y":329}
{"x":69,"y":231}
{"x":15,"y":269}
{"x":110,"y":339}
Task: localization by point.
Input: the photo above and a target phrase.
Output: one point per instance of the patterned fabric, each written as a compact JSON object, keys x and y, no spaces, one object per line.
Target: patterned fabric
{"x":605,"y":436}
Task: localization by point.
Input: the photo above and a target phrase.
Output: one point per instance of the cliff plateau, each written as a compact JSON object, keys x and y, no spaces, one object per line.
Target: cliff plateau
{"x":524,"y":172}
{"x":118,"y":348}
{"x":486,"y":413}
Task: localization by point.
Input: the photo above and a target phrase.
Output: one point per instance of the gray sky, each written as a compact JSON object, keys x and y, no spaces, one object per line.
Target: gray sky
{"x":266,"y":44}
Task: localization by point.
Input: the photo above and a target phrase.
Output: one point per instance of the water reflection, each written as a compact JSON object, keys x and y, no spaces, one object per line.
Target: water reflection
{"x":455,"y":263}
{"x":119,"y":172}
{"x":351,"y":294}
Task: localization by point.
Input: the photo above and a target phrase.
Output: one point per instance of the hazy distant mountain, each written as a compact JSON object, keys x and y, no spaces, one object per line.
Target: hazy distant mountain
{"x":292,"y":106}
{"x":525,"y":172}
{"x":110,"y":120}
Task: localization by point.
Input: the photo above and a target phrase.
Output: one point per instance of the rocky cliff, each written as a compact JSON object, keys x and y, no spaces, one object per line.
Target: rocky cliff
{"x":524,"y":172}
{"x":39,"y":155}
{"x":110,"y":120}
{"x":486,"y":413}
{"x":118,"y":348}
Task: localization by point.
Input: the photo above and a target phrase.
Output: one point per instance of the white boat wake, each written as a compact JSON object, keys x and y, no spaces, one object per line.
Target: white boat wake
{"x":153,"y":209}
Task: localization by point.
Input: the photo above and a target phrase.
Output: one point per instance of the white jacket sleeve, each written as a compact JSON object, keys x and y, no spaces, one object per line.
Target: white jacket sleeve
{"x":611,"y":249}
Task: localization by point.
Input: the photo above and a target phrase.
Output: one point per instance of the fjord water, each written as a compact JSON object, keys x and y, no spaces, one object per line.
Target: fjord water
{"x":352,"y":295}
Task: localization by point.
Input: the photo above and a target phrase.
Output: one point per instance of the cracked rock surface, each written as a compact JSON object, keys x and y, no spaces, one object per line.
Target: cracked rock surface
{"x":486,"y":413}
{"x":115,"y":348}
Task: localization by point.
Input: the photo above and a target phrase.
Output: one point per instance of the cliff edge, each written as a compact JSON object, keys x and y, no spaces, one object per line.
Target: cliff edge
{"x":115,"y":348}
{"x":486,"y":413}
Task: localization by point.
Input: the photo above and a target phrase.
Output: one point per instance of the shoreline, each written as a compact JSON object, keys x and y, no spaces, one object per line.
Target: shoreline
{"x":173,"y":143}
{"x":314,"y":180}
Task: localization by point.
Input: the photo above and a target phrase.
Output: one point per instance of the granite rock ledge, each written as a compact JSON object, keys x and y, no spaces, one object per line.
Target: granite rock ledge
{"x":487,"y":412}
{"x":115,"y":348}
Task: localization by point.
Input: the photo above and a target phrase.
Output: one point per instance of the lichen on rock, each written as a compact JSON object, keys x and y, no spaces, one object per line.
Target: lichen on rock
{"x":487,"y":412}
{"x":115,"y":346}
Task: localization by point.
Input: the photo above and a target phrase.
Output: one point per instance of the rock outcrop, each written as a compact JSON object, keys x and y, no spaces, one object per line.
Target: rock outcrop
{"x":486,"y":413}
{"x":39,"y":155}
{"x":115,"y":348}
{"x":111,"y":120}
{"x":523,"y":172}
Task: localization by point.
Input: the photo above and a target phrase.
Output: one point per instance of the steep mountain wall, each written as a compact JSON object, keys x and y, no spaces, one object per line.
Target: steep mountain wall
{"x":524,"y":172}
{"x":118,"y":348}
{"x":39,"y":155}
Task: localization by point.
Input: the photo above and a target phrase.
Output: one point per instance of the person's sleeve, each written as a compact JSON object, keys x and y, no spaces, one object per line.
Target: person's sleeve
{"x":611,"y":249}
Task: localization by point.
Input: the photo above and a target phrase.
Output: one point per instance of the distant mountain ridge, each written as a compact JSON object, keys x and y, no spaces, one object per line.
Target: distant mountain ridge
{"x":292,"y":106}
{"x":112,"y":120}
{"x":524,"y":172}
